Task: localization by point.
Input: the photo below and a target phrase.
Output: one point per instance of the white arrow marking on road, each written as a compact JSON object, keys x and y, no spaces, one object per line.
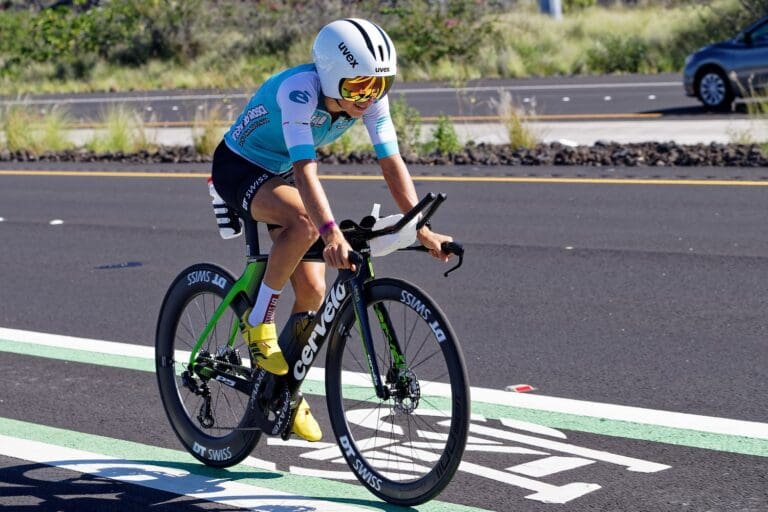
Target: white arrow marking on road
{"x":549,"y":466}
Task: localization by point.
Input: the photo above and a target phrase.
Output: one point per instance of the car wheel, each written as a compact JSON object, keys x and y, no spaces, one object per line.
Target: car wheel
{"x":713,"y":90}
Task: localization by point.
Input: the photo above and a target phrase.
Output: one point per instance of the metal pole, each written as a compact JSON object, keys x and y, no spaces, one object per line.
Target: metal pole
{"x":553,"y":8}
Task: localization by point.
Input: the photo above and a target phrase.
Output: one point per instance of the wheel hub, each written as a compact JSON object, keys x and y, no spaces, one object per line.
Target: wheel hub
{"x":405,"y":390}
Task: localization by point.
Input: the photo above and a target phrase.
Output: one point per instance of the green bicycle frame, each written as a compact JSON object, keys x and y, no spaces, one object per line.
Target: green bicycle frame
{"x":247,"y":284}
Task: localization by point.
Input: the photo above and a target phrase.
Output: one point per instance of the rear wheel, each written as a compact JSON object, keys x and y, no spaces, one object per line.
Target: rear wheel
{"x":714,"y":90}
{"x":212,"y":420}
{"x":404,"y":449}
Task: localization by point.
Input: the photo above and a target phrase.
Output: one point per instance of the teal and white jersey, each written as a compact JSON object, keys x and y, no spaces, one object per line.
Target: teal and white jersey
{"x":286,"y":120}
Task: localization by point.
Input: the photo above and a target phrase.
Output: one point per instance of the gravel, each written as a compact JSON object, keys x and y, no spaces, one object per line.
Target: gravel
{"x":647,"y":154}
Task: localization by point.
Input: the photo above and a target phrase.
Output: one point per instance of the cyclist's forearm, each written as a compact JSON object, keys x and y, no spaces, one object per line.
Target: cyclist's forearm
{"x":312,"y":193}
{"x":399,"y":182}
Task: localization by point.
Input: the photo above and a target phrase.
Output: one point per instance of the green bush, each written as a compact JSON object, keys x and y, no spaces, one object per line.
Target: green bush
{"x":426,"y":32}
{"x":407,"y":121}
{"x":570,"y":6}
{"x":613,"y":53}
{"x":444,"y":138}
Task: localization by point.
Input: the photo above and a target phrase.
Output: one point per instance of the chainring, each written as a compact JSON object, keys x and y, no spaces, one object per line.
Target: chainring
{"x":271,"y":402}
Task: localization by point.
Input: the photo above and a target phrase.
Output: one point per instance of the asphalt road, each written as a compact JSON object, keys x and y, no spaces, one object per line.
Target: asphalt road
{"x":641,"y":293}
{"x":558,"y":98}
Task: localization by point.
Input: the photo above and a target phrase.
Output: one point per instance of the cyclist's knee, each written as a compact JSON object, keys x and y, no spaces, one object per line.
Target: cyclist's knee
{"x":302,"y":228}
{"x":311,"y":292}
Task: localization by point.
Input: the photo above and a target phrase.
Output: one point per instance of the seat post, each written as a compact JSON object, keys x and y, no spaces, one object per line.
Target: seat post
{"x":252,"y":251}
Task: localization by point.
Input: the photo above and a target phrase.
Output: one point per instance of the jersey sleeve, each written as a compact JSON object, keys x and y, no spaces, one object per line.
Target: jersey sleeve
{"x":380,"y":128}
{"x":297,"y":98}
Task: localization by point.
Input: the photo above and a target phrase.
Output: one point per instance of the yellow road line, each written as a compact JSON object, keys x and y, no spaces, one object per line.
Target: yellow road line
{"x":476,"y":179}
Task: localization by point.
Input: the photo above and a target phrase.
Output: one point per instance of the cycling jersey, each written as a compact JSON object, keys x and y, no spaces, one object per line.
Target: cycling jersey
{"x":286,"y":120}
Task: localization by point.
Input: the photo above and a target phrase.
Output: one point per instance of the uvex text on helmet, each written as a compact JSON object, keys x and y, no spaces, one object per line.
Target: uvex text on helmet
{"x":349,"y":48}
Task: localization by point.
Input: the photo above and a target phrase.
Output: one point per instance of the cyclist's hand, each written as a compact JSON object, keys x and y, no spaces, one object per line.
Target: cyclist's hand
{"x":433,"y":241}
{"x":336,"y":252}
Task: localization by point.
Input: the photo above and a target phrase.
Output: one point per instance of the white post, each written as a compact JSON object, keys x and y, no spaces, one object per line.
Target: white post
{"x":552,"y":7}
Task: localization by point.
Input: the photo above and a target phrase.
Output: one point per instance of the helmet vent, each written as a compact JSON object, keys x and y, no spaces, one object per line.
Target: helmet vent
{"x":386,"y":41}
{"x":365,"y":35}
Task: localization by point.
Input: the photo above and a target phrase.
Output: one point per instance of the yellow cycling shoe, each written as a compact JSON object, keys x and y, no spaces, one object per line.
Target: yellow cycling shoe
{"x":265,"y":351}
{"x":305,"y":425}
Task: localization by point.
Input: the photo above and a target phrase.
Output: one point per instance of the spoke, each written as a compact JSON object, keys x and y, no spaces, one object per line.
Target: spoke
{"x":359,"y":364}
{"x":419,"y":420}
{"x":433,"y":354}
{"x":423,"y":344}
{"x":366,"y":401}
{"x":435,"y":407}
{"x":410,"y":437}
{"x":410,"y":331}
{"x":437,"y":379}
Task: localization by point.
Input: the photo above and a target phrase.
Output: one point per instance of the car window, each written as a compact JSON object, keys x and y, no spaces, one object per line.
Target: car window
{"x":760,"y":34}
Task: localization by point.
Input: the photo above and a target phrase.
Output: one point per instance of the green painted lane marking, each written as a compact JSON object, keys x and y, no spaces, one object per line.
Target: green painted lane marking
{"x":313,"y":487}
{"x":611,"y":427}
{"x":78,"y":356}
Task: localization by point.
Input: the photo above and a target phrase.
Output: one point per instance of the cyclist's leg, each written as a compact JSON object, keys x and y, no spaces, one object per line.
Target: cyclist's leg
{"x":276,"y":202}
{"x":279,"y":203}
{"x":307,"y":281}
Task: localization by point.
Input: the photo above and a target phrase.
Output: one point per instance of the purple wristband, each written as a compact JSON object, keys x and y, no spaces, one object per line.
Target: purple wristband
{"x":327,"y":227}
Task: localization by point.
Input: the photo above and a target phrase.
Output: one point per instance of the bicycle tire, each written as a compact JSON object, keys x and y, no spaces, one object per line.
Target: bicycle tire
{"x":202,"y":288}
{"x":385,"y":466}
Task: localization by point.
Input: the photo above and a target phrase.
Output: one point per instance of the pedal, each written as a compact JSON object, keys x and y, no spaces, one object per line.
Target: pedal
{"x":288,"y":431}
{"x":271,"y":402}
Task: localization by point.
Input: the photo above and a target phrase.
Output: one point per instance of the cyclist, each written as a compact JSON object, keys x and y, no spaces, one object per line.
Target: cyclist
{"x":266,"y":167}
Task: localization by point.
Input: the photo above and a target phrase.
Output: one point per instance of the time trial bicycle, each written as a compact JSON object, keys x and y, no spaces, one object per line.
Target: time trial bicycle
{"x":395,"y":380}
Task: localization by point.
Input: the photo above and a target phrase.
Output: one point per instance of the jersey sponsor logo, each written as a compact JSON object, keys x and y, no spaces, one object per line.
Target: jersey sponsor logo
{"x":348,"y":55}
{"x":318,"y":119}
{"x":299,"y":97}
{"x":257,"y":116}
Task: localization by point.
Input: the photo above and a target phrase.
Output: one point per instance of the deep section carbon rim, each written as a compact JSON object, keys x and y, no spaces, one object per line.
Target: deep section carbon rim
{"x":404,"y":449}
{"x":213,"y":420}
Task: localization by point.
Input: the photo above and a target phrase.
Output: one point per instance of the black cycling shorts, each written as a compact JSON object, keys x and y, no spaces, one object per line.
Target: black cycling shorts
{"x":237,"y":180}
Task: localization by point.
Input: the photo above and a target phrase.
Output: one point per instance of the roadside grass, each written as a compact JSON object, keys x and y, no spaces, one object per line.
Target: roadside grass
{"x":756,"y":104}
{"x":643,"y":38}
{"x":407,"y":121}
{"x":516,"y":119}
{"x":207,"y":129}
{"x":121,"y":130}
{"x":26,"y":130}
{"x":354,"y":139}
{"x":757,"y":109}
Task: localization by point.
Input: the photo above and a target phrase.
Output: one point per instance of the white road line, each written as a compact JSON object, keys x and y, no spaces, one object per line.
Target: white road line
{"x":164,"y":478}
{"x":426,"y":90}
{"x":644,"y":416}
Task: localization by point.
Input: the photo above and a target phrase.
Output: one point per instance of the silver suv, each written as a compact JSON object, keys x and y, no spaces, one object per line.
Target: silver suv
{"x":720,"y":72}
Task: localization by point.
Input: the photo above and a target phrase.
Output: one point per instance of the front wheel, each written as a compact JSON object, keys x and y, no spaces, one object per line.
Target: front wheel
{"x":404,"y":449}
{"x":713,"y":90}
{"x":212,"y":420}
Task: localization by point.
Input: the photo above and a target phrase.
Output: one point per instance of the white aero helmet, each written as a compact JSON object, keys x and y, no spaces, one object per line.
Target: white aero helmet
{"x":355,"y":59}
